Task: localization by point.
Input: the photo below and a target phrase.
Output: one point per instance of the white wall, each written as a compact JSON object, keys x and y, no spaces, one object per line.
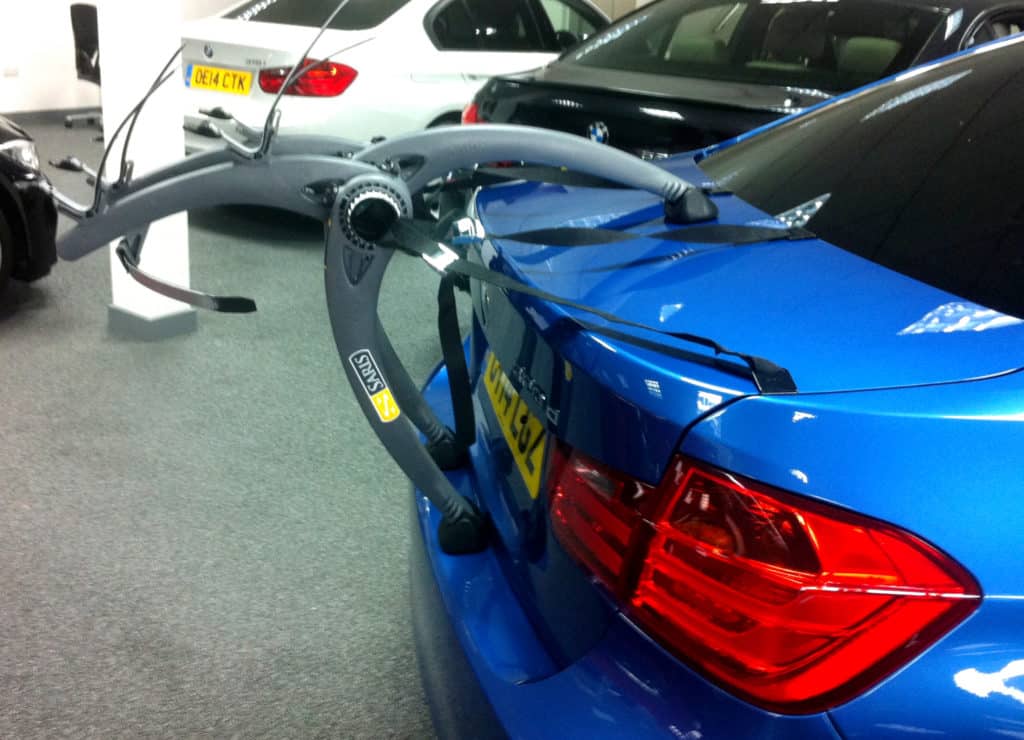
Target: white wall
{"x":198,"y":8}
{"x":37,"y":55}
{"x":37,"y":60}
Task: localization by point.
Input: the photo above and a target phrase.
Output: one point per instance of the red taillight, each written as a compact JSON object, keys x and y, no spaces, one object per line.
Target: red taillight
{"x":594,"y":512}
{"x":324,"y":80}
{"x":471,"y":114}
{"x":795,"y":605}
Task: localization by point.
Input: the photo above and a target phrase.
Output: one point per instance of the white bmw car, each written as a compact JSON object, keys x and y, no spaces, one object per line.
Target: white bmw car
{"x":389,"y":66}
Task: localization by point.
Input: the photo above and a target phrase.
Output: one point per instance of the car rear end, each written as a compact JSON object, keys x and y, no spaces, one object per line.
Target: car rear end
{"x":525,"y":639}
{"x":679,"y":75}
{"x":238,"y":63}
{"x":678,"y":554}
{"x":651,"y":126}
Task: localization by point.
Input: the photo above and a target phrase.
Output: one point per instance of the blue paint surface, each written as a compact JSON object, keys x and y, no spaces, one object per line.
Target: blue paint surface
{"x":909,"y":409}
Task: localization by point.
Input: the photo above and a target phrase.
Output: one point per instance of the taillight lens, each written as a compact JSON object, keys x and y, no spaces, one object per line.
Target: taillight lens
{"x":323,"y":80}
{"x":795,"y":605}
{"x":471,"y":114}
{"x":594,"y":512}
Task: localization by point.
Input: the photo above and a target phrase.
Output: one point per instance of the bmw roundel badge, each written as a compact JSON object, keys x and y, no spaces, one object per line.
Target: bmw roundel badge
{"x":208,"y":51}
{"x":598,"y":131}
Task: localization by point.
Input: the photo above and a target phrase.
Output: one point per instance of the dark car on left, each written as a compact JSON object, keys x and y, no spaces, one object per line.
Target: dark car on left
{"x":28,"y":216}
{"x":679,"y":75}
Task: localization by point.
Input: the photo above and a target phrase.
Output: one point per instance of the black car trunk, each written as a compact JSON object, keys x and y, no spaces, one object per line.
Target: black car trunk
{"x":644,"y":123}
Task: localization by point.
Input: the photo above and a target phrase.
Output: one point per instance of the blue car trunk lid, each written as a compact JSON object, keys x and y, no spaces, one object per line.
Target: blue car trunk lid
{"x":836,"y":321}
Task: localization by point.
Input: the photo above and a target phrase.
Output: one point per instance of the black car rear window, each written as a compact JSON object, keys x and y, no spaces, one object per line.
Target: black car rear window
{"x":357,"y":15}
{"x":832,"y":46}
{"x":921,"y":175}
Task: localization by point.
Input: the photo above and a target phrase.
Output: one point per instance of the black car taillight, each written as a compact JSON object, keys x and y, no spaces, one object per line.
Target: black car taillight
{"x":323,"y":80}
{"x":795,"y":605}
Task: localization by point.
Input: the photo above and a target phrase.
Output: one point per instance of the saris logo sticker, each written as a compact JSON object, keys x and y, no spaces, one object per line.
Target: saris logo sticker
{"x":372,"y":380}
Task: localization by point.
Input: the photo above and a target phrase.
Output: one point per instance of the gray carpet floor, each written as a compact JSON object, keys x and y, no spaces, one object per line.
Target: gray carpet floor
{"x":201,"y":536}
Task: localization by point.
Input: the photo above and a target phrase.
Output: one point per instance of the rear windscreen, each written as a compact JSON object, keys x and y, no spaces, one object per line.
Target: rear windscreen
{"x":356,"y":15}
{"x":921,"y":175}
{"x":828,"y":46}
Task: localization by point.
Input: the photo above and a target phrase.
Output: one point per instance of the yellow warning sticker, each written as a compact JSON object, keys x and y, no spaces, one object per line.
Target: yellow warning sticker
{"x":385,"y":404}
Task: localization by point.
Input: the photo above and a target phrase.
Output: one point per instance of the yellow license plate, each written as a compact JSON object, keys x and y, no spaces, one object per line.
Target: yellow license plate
{"x":233,"y":81}
{"x":524,"y":432}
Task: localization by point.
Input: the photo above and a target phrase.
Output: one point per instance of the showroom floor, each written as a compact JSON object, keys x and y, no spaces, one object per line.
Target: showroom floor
{"x":200,"y":536}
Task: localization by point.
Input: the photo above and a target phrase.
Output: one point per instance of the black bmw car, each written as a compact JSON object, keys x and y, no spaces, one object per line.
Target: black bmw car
{"x":677,"y":75}
{"x":28,"y":217}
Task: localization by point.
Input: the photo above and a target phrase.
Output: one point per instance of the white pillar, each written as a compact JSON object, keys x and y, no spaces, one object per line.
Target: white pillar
{"x":136,"y":40}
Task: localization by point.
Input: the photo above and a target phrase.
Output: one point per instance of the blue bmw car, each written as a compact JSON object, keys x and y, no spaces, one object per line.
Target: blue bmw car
{"x":681,"y":554}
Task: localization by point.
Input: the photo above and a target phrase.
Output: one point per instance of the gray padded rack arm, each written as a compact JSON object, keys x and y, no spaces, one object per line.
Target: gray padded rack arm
{"x":445,"y":451}
{"x":358,"y":196}
{"x":445,"y":149}
{"x":221,"y":179}
{"x":354,"y":269}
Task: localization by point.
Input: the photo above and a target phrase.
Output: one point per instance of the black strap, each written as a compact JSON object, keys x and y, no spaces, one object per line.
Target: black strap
{"x":581,"y":236}
{"x":767,"y":376}
{"x":485,"y":176}
{"x":573,"y":236}
{"x":455,"y":360}
{"x":740,"y":235}
{"x":653,"y":260}
{"x":128,"y":252}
